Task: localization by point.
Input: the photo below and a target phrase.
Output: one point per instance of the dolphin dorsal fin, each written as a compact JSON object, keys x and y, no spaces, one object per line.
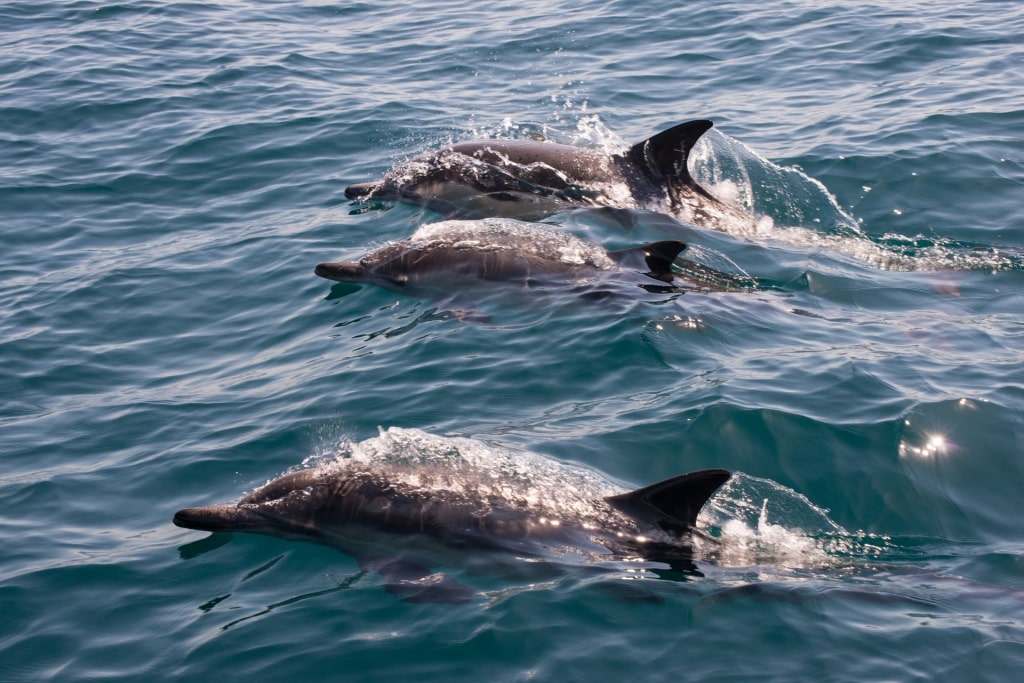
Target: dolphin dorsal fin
{"x":672,"y":504}
{"x":659,"y":257}
{"x":664,"y":156}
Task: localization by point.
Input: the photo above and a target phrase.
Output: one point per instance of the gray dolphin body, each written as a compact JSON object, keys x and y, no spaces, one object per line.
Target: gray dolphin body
{"x":441,"y":256}
{"x":531,"y":179}
{"x":398,"y":521}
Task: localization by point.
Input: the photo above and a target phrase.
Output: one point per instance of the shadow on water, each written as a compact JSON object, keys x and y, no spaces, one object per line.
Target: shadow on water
{"x":194,"y":549}
{"x":341,"y":290}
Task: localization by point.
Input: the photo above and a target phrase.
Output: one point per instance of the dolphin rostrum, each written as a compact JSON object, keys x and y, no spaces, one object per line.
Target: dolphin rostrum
{"x":530,"y":179}
{"x":503,"y":249}
{"x":401,"y":516}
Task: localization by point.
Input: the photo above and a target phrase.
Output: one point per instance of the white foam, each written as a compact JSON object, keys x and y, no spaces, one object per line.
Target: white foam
{"x":478,"y":470}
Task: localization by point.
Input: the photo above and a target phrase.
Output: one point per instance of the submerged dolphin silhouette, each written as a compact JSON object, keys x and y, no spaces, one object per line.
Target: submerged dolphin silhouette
{"x":504,"y":249}
{"x":376,"y":513}
{"x":531,"y":179}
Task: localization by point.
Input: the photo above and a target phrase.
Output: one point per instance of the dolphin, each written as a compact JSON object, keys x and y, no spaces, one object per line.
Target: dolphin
{"x":531,"y":179}
{"x":400,"y":518}
{"x":438,"y":255}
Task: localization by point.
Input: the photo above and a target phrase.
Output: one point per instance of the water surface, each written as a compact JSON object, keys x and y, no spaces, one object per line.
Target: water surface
{"x":173,"y":171}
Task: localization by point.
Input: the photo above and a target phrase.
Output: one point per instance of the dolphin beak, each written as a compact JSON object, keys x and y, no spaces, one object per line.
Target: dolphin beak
{"x":360,"y":190}
{"x":214,"y":518}
{"x":342,"y":271}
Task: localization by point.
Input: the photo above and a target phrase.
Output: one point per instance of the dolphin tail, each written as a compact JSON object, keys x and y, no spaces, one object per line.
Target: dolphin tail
{"x":658,"y":256}
{"x":672,"y":504}
{"x":665,"y":156}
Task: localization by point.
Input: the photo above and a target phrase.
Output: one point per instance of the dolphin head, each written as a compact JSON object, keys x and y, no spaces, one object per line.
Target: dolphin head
{"x":313,"y":504}
{"x":416,"y":179}
{"x":280,"y":508}
{"x":363,"y":271}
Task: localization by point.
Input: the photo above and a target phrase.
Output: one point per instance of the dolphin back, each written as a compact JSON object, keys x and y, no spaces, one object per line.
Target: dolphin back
{"x":673,"y":504}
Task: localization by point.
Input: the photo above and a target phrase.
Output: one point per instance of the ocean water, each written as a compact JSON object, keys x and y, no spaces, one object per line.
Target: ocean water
{"x":172,"y":172}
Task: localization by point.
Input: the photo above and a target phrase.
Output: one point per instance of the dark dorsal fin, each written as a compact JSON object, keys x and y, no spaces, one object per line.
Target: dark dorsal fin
{"x":672,"y":504}
{"x":657,"y":255}
{"x":664,"y":156}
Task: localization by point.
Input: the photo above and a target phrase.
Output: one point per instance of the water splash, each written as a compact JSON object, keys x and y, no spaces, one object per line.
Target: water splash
{"x":762,"y":523}
{"x":792,"y":207}
{"x":781,"y":197}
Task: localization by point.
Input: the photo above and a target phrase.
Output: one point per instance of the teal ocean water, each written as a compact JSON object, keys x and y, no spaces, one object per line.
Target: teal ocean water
{"x":170,"y":173}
